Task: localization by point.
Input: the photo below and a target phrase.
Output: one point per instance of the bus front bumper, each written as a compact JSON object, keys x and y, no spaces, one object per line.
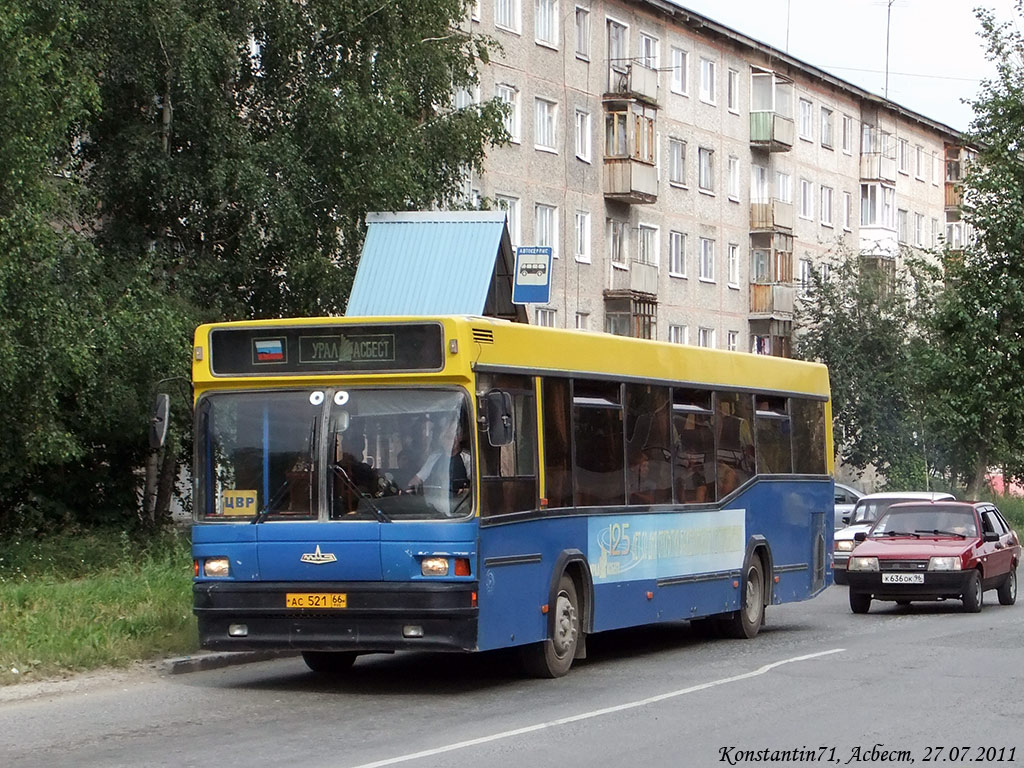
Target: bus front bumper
{"x":377,"y":616}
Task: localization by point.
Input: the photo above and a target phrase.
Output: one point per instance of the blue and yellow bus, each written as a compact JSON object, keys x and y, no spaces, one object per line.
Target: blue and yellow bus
{"x":466,"y":484}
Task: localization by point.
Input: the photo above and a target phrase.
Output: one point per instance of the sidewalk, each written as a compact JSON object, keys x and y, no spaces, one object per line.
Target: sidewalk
{"x":205,"y":660}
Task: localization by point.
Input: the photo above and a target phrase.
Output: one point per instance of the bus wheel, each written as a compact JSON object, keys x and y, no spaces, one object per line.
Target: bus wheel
{"x":553,"y":657}
{"x":329,"y":662}
{"x":746,"y":622}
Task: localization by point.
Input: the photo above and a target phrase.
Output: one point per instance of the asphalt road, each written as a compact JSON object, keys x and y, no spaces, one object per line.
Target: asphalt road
{"x":927,"y":685}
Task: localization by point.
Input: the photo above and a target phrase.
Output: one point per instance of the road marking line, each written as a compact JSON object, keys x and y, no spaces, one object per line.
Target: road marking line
{"x":596,"y":713}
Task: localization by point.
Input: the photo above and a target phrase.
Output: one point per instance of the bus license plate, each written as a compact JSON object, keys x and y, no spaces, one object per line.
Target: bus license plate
{"x":323,"y":600}
{"x":903,"y":578}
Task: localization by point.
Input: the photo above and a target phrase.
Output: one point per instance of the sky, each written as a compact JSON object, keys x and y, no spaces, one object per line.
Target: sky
{"x":936,"y":56}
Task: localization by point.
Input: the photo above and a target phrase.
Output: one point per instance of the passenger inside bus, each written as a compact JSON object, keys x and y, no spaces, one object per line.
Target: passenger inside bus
{"x":448,"y":464}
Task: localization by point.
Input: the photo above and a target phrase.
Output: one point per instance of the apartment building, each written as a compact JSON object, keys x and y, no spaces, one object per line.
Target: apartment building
{"x":688,"y":177}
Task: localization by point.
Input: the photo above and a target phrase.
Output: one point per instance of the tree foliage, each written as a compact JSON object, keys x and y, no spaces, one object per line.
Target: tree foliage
{"x":864,"y":324}
{"x":164,"y":163}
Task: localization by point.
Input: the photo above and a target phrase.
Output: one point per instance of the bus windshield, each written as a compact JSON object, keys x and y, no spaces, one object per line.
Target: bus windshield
{"x":335,"y":454}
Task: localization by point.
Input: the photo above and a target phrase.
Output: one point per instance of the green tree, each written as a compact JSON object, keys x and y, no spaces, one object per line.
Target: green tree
{"x":977,"y":340}
{"x":862,"y":322}
{"x":242,"y":142}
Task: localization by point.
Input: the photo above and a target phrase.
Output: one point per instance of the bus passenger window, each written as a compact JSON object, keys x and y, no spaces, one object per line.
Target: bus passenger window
{"x":557,"y":454}
{"x":694,"y":446}
{"x":648,"y":445}
{"x":808,"y":436}
{"x":598,"y":476}
{"x":735,"y":441}
{"x":774,"y":433}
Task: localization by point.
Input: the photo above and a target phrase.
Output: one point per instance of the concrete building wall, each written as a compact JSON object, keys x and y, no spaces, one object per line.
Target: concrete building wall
{"x":826,"y":167}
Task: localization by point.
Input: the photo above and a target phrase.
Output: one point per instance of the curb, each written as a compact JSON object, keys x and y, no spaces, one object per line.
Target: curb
{"x":204,"y":661}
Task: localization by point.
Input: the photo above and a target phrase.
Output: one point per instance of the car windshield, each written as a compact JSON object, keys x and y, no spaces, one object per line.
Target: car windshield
{"x":922,"y":521}
{"x":356,"y":454}
{"x":869,"y":510}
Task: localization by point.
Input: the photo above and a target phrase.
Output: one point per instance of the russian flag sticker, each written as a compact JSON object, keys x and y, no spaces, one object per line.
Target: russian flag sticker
{"x":269,"y":350}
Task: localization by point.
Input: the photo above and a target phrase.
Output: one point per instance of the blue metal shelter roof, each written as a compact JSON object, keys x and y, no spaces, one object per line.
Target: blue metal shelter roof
{"x":435,"y":263}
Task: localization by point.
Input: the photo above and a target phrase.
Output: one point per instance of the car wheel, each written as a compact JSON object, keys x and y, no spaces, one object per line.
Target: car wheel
{"x":553,"y":656}
{"x":973,"y":596}
{"x":860,"y":602}
{"x":1008,"y":589}
{"x":329,"y":663}
{"x":746,"y":622}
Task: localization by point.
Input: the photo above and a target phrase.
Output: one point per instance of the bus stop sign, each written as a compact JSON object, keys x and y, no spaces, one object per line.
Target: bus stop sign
{"x":532,"y":284}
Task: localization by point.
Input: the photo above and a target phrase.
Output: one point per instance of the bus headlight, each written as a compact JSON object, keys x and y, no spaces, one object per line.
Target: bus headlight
{"x":434,"y":566}
{"x":216,"y":567}
{"x":863,"y":564}
{"x":944,"y":564}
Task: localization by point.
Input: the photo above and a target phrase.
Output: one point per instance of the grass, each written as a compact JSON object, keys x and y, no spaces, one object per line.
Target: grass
{"x":84,"y":600}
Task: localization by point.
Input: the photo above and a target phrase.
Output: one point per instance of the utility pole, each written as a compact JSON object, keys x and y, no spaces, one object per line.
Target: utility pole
{"x":888,"y":19}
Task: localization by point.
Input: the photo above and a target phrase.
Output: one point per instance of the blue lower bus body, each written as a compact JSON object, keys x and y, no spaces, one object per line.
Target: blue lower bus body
{"x":632,"y":566}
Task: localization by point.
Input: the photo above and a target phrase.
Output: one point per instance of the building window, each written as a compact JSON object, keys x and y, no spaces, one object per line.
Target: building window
{"x":545,"y":227}
{"x":806,"y":120}
{"x":806,"y":199}
{"x":546,"y":26}
{"x":784,"y":187}
{"x":677,"y":334}
{"x":545,"y":317}
{"x":936,"y":233}
{"x":706,"y":337}
{"x":677,"y":162}
{"x":509,"y":94}
{"x":677,"y":254}
{"x":510,"y":205}
{"x":734,"y":265}
{"x":583,"y":135}
{"x":506,"y":14}
{"x":826,"y":127}
{"x":706,"y":169}
{"x":617,"y":243}
{"x":919,"y":162}
{"x":680,"y":61}
{"x":847,"y":210}
{"x":877,"y":206}
{"x":582,"y":33}
{"x":733,"y":341}
{"x":805,"y":276}
{"x":707,"y":81}
{"x":902,"y":225}
{"x":582,"y":321}
{"x":545,"y":124}
{"x":847,"y":134}
{"x":826,"y":206}
{"x":616,"y":140}
{"x":734,"y":178}
{"x":648,"y":51}
{"x":618,"y":52}
{"x":583,"y":237}
{"x":647,"y":245}
{"x":733,"y":91}
{"x":707,"y":260}
{"x":919,"y":230}
{"x":903,"y":155}
{"x":935,"y":169}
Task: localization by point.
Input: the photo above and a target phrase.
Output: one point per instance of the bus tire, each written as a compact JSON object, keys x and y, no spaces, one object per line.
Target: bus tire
{"x":745,"y":623}
{"x":553,"y":656}
{"x":329,"y":663}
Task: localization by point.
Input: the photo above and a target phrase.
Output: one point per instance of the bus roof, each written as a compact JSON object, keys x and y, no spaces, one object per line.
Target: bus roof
{"x":489,"y":344}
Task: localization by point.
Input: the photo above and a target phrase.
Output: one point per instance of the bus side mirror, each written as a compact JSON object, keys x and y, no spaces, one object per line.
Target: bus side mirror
{"x":158,"y":421}
{"x":498,"y":418}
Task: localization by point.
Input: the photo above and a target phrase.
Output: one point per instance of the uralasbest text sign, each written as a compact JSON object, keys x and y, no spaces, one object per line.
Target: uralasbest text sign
{"x":532,"y":283}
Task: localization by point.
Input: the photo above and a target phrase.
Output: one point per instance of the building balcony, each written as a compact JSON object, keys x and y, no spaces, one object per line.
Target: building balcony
{"x":627,"y":180}
{"x":771,"y":301}
{"x":640,"y":279}
{"x":954,"y":195}
{"x":771,"y":216}
{"x":632,"y":81}
{"x":771,"y":131}
{"x":874,"y":166}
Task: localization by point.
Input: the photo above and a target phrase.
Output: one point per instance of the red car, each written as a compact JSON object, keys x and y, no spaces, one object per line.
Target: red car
{"x":935,"y":550}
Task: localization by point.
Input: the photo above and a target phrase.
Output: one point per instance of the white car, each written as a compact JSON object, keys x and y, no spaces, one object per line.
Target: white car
{"x":846,"y":498}
{"x":865,"y":512}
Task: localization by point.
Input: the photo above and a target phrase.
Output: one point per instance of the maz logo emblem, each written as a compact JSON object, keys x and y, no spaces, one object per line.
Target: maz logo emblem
{"x":318,"y":557}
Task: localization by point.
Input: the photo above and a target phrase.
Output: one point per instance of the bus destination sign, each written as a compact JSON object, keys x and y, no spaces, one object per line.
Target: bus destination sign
{"x":326,"y":349}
